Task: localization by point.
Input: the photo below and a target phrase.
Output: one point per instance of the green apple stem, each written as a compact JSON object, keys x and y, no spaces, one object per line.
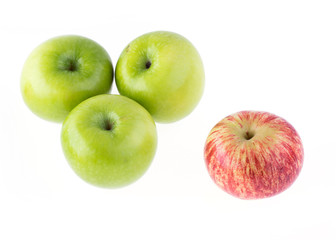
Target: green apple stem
{"x":148,"y":64}
{"x":108,"y":125}
{"x":69,"y":64}
{"x":72,"y":66}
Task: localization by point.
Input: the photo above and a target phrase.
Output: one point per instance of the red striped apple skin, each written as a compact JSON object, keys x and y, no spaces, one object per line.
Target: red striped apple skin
{"x":253,"y":155}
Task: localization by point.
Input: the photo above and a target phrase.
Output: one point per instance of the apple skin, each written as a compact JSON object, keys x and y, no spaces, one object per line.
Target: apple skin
{"x":109,"y":140}
{"x":62,"y":72}
{"x":164,"y":73}
{"x":253,"y":155}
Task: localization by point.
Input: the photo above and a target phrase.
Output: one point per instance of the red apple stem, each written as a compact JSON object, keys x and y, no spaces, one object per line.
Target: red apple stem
{"x":248,"y":135}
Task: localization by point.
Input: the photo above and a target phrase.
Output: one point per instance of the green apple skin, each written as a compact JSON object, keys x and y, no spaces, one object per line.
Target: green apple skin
{"x":62,"y":72}
{"x":109,"y":140}
{"x":164,"y":73}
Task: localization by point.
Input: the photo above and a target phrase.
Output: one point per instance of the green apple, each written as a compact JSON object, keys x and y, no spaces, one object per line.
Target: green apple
{"x":62,"y":72}
{"x":163,"y":72}
{"x":109,"y":140}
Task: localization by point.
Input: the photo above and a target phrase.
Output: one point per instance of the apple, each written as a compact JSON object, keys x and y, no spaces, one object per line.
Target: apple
{"x":163,"y":72}
{"x":62,"y":72}
{"x":109,"y":140}
{"x":253,"y":155}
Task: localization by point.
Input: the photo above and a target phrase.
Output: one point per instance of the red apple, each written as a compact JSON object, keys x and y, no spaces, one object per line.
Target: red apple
{"x":253,"y":155}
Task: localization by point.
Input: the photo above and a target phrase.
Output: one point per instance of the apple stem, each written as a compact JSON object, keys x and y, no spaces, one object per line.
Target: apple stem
{"x":72,"y":66}
{"x":148,"y":64}
{"x":248,"y":135}
{"x":108,"y":125}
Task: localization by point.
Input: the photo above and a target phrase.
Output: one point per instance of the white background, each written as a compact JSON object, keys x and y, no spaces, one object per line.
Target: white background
{"x":276,"y":56}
